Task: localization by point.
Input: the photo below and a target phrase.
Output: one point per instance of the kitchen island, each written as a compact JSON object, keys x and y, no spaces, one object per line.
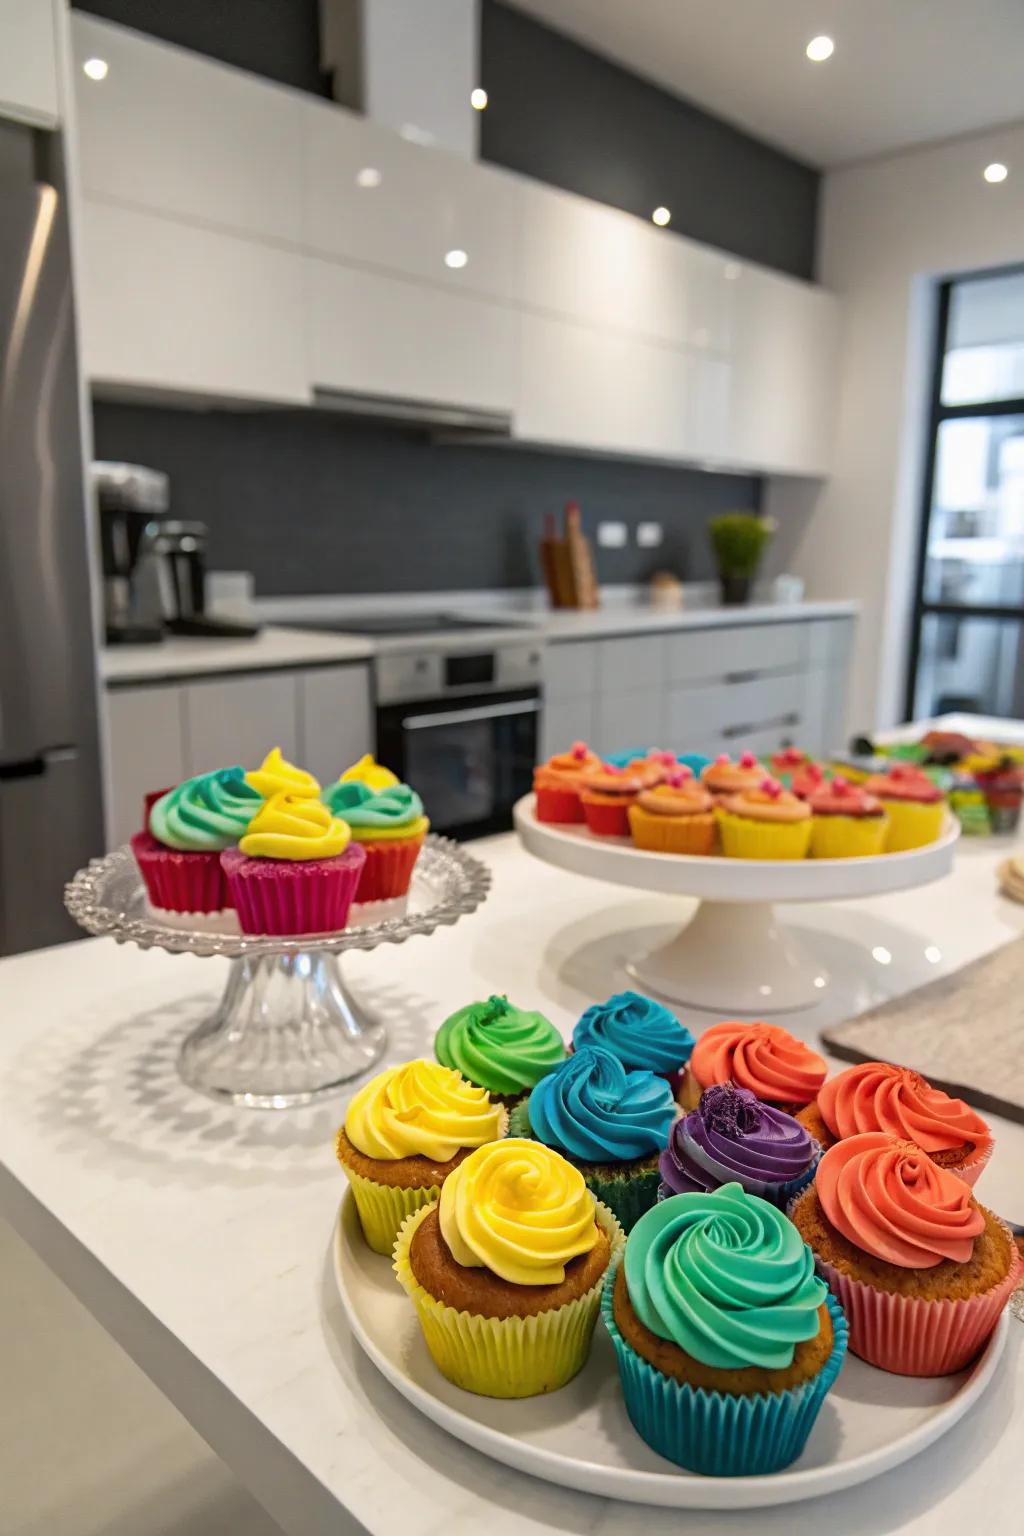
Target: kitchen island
{"x":200,"y":1235}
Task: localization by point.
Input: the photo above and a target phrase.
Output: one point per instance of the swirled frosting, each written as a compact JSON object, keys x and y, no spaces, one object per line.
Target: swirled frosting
{"x":730,"y":1136}
{"x":565,"y":769}
{"x":593,"y":1110}
{"x":724,"y":777}
{"x":680,"y":794}
{"x":368,"y":771}
{"x":904,"y":781}
{"x":889,"y":1198}
{"x":841,"y":798}
{"x":421,"y":1110}
{"x":377,"y":815}
{"x":277,"y":776}
{"x":639,"y":1031}
{"x":726,"y":1277}
{"x":876,"y":1096}
{"x":205,"y":813}
{"x":294,"y":827}
{"x":503,"y":1048}
{"x":519,"y":1210}
{"x":762,"y":1057}
{"x":767,"y":802}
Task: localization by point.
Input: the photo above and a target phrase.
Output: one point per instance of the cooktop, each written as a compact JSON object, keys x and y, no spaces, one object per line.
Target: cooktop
{"x":398,"y":624}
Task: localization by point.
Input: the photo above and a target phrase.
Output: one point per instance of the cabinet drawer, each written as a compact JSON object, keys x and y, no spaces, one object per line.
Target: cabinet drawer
{"x":570,"y":671}
{"x":725,"y":716}
{"x":749,"y":648}
{"x":335,"y":714}
{"x":625,"y":665}
{"x":566,"y":722}
{"x":827,"y":643}
{"x":627,"y":720}
{"x":239,"y":719}
{"x":144,"y":737}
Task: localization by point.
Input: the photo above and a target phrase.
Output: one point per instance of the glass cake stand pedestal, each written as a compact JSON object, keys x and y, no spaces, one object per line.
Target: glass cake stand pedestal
{"x":287,"y":1030}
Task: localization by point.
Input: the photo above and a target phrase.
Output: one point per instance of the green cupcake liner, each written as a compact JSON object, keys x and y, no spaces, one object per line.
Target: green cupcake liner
{"x":628,"y":1190}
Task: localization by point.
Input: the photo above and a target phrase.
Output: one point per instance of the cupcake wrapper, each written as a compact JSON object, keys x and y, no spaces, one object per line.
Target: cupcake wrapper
{"x":848,"y":837}
{"x":971,"y":1172}
{"x":673,"y":834}
{"x":506,"y":1356}
{"x":607,"y":820}
{"x":283,"y":897}
{"x":558,"y":805}
{"x":912,"y":824}
{"x":388,"y":868}
{"x":628,"y":1197}
{"x":744,"y":838}
{"x":383,"y":1208}
{"x":715,"y":1433}
{"x":777,"y":1194}
{"x":177,"y":881}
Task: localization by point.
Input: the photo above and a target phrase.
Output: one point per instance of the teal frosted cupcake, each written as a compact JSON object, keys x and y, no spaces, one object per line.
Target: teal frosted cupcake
{"x":500,"y":1047}
{"x":727,"y":1341}
{"x":389,"y":825}
{"x":643,"y":1034}
{"x":178,"y":852}
{"x":612,"y":1124}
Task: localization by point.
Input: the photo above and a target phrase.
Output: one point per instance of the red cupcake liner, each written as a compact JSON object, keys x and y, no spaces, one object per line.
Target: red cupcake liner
{"x":606,"y":819}
{"x":293,"y":896}
{"x":915,"y":1336}
{"x":177,"y":881}
{"x":558,"y":805}
{"x":388,"y":868}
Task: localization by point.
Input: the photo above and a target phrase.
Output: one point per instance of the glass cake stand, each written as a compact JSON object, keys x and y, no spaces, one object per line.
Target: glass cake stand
{"x":286,"y":1030}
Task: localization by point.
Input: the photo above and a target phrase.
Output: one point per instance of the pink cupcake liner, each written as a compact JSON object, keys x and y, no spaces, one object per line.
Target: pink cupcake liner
{"x":148,"y":802}
{"x":179,"y":882}
{"x":913,"y":1336}
{"x":388,"y":868}
{"x":288,"y":897}
{"x":970,"y":1172}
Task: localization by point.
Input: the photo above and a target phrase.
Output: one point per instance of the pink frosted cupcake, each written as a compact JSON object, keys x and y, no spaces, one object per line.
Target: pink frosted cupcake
{"x":295,"y":871}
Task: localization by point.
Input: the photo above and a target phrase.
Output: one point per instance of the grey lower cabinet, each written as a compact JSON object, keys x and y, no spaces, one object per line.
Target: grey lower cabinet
{"x":162,"y":732}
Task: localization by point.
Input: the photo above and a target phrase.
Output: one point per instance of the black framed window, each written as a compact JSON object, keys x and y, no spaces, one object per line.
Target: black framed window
{"x":967,"y":648}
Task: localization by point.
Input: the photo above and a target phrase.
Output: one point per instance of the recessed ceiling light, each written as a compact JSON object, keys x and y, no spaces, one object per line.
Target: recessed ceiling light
{"x":455,"y":259}
{"x":96,"y":69}
{"x":478,"y":98}
{"x":369,"y":176}
{"x":996,"y":171}
{"x":661,"y":216}
{"x":820,"y":48}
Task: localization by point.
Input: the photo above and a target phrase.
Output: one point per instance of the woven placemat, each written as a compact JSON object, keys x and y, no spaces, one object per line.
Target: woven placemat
{"x":963,"y":1032}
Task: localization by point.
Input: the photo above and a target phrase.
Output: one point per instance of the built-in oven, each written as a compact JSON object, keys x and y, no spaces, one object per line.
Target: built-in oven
{"x":461,"y":726}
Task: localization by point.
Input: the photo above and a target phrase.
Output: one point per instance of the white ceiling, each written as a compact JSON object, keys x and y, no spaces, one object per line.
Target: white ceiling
{"x":903,"y":72}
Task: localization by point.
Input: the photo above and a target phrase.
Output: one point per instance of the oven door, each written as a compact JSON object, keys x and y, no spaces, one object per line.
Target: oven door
{"x":469,"y":760}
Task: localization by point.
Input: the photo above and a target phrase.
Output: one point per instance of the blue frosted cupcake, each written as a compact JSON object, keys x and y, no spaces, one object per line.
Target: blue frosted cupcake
{"x":727,"y":1341}
{"x":731,"y":1137}
{"x":643,"y":1034}
{"x":610,"y":1123}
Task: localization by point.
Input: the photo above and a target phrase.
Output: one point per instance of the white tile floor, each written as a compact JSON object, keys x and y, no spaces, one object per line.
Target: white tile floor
{"x":88,"y":1446}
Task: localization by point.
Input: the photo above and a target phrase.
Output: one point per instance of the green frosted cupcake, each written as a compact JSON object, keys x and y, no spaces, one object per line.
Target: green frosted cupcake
{"x":500,"y":1047}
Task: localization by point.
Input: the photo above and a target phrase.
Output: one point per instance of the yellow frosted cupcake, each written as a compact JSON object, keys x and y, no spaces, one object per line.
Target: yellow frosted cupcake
{"x":369,"y":772}
{"x":676,"y":816}
{"x":506,"y":1270}
{"x":404,"y":1133}
{"x":916,"y":806}
{"x":764,"y":823}
{"x":846,"y":822}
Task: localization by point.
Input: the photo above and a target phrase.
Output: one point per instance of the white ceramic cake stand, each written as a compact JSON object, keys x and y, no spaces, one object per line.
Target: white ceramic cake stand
{"x":753,"y":966}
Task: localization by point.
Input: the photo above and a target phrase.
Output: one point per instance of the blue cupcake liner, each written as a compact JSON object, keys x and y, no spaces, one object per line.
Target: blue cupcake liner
{"x":714,"y":1433}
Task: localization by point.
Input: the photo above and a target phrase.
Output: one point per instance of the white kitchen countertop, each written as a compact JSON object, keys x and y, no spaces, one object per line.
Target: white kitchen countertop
{"x":275,"y":646}
{"x":199,"y":1235}
{"x":601,"y":623}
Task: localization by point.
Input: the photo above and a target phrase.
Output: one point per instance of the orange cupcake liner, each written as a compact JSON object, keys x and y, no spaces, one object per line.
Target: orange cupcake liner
{"x":388,"y":868}
{"x":970,"y":1172}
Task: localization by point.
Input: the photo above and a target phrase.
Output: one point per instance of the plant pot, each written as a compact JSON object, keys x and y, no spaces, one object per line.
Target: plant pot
{"x":736,"y":589}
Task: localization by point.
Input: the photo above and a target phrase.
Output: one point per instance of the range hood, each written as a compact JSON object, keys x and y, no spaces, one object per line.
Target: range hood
{"x":430,"y":414}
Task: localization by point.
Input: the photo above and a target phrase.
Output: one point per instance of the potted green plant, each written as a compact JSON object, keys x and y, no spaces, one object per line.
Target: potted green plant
{"x":739,"y":540}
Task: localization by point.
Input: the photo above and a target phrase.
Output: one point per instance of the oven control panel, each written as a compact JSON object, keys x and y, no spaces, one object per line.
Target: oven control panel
{"x":407,"y":676}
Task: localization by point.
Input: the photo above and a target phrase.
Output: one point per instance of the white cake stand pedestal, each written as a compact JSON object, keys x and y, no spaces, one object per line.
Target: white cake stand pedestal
{"x":722,"y":960}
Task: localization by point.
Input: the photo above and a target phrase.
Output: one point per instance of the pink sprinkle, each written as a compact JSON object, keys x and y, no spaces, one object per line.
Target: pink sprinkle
{"x":613,"y":769}
{"x":748,"y":760}
{"x":771,"y":787}
{"x":722,"y":760}
{"x":680,"y":776}
{"x":580,"y":750}
{"x":841,"y":785}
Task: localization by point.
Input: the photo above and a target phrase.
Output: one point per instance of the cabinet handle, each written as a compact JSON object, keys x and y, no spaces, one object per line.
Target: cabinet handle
{"x":750,"y":676}
{"x":464,"y":716}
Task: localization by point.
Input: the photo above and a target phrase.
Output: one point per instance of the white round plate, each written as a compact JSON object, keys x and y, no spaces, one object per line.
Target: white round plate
{"x":581,"y":1437}
{"x":719,"y":879}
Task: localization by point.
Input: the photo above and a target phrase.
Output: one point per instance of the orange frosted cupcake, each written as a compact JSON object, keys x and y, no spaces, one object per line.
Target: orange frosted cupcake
{"x":677,"y":816}
{"x":606,"y":796}
{"x":556,"y":783}
{"x":915,"y":805}
{"x":846,"y":822}
{"x":765,"y":1058}
{"x":764,"y":823}
{"x":808,"y":780}
{"x":725,"y":777}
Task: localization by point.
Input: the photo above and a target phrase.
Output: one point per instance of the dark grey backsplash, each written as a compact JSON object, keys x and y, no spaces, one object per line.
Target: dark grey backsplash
{"x":313,"y":504}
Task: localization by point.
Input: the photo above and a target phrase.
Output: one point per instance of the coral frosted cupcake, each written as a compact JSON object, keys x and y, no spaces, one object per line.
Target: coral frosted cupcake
{"x":644,"y":1035}
{"x":295,"y":869}
{"x":404,"y":1132}
{"x":726,"y":1340}
{"x":187,"y":828}
{"x":764,"y":1058}
{"x":921,"y":1270}
{"x":606,"y":796}
{"x":506,"y":1270}
{"x":556,"y":783}
{"x":500,"y":1047}
{"x":877,"y":1096}
{"x":731,"y":1137}
{"x":915,"y":806}
{"x":677,"y":816}
{"x":787,"y":762}
{"x":610,"y":1123}
{"x":389,"y":825}
{"x":808,"y":780}
{"x":764,"y":823}
{"x":846,"y":822}
{"x":725,"y":777}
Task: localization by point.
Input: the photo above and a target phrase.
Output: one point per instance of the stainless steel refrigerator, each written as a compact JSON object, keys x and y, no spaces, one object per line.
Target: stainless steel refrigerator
{"x":50,"y":796}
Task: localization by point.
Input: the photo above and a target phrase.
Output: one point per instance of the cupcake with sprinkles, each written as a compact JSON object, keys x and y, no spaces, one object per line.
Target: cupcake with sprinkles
{"x":557,"y":783}
{"x":500,"y":1047}
{"x":643,"y":1034}
{"x":731,"y":1137}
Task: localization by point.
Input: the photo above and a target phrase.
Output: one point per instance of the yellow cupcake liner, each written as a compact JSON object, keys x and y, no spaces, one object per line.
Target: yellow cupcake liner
{"x":912,"y":823}
{"x":384,"y":1207}
{"x":673,"y":834}
{"x":507,"y":1356}
{"x":745,"y":838}
{"x":848,"y":837}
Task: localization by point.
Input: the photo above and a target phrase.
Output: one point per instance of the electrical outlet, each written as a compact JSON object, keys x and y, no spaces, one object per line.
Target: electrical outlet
{"x":649,"y":535}
{"x":612,"y":535}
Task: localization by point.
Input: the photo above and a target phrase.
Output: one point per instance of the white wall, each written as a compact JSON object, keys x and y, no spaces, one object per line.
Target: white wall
{"x":889,"y":230}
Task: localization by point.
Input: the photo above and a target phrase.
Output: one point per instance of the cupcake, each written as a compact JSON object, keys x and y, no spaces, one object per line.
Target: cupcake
{"x":178,"y":853}
{"x":764,"y":823}
{"x":808,"y":780}
{"x":915,"y":805}
{"x":724,"y":777}
{"x":731,"y":1137}
{"x":389,"y":826}
{"x":677,"y":816}
{"x":404,"y":1133}
{"x":726,"y":1340}
{"x":643,"y":1034}
{"x":556,"y":783}
{"x":277,"y":776}
{"x":295,"y":869}
{"x":500,"y":1047}
{"x":921,"y":1270}
{"x":606,"y":795}
{"x":369,"y":772}
{"x":846,"y":822}
{"x":877,"y":1096}
{"x":789,"y":761}
{"x":611,"y":1124}
{"x":506,"y":1270}
{"x":764,"y":1058}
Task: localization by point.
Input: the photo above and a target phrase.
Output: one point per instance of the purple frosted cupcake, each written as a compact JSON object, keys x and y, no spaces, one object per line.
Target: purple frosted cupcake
{"x":732,"y":1137}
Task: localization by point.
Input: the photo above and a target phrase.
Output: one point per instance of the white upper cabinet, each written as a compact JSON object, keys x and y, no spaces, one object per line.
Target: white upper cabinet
{"x":28,"y":62}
